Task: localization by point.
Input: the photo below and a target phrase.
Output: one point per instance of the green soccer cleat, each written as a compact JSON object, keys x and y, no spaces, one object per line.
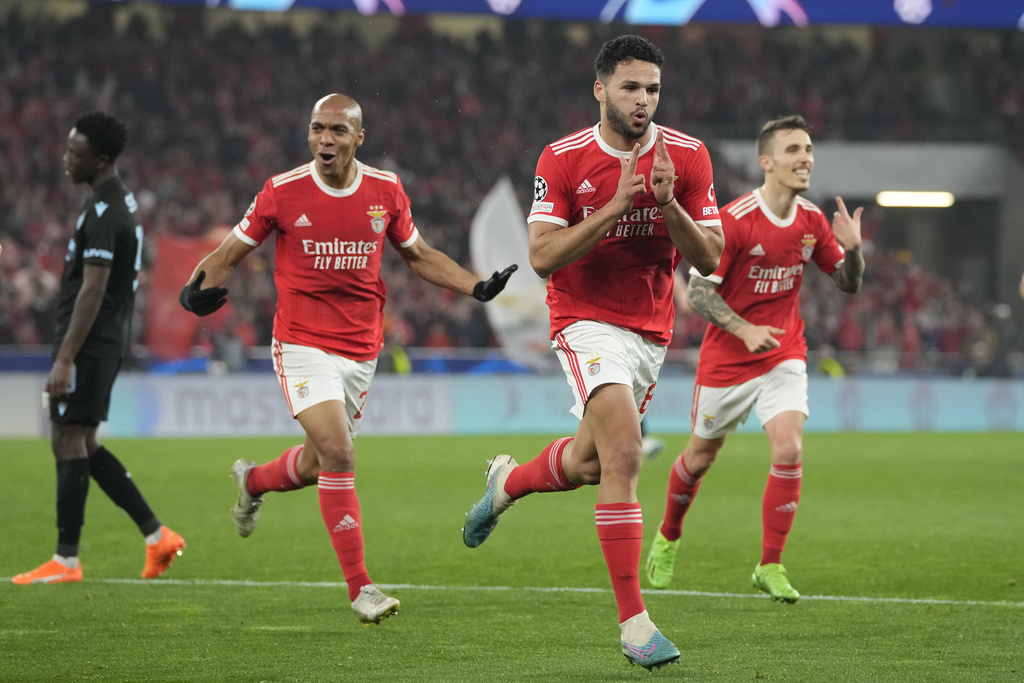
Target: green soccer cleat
{"x":771,"y":579}
{"x":661,"y":561}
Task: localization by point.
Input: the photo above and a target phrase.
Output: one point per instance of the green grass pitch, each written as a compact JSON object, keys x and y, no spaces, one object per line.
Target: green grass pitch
{"x":908,"y":549}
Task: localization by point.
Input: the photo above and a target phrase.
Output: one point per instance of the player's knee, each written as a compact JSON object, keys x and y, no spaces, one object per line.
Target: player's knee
{"x":788,"y":452}
{"x":699,"y":460}
{"x":336,"y":459}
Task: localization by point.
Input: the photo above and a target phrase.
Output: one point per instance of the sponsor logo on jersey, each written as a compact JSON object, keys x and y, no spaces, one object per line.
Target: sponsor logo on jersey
{"x":639,"y":222}
{"x":540,"y":188}
{"x":774,"y":279}
{"x":542,"y":207}
{"x":377,"y":222}
{"x":339,"y":254}
{"x":347,"y":523}
{"x":303,"y":222}
{"x":101,"y":207}
{"x":104,"y":254}
{"x":593,"y":366}
{"x":758,"y":250}
{"x":585,"y":187}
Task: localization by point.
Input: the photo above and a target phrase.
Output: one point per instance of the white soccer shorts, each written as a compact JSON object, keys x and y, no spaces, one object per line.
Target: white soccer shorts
{"x":310,"y":376}
{"x":594,"y":353}
{"x":718,"y":411}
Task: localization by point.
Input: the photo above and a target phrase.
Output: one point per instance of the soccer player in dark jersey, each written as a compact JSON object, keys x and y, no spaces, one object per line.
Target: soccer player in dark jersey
{"x":94,"y":312}
{"x":754,"y":355}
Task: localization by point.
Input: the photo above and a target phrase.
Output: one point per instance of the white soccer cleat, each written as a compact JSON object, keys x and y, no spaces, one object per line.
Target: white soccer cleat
{"x":371,"y":606}
{"x":247,"y":508}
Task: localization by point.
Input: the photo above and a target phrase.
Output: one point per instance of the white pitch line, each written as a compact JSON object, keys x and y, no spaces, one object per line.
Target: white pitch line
{"x":540,"y":589}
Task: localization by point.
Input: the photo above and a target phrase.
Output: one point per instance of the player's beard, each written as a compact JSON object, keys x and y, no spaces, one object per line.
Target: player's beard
{"x":619,"y":122}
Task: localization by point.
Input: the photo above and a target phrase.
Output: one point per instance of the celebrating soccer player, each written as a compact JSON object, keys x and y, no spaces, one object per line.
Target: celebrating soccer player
{"x":754,"y":352}
{"x":616,"y":206}
{"x":329,"y":218}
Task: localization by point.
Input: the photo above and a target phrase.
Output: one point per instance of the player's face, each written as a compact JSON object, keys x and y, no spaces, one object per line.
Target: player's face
{"x":81,"y":163}
{"x":791,"y":159}
{"x":630,"y":98}
{"x":334,"y":136}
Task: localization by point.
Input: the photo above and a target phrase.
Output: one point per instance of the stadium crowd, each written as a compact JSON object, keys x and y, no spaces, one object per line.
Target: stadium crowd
{"x":215,"y":108}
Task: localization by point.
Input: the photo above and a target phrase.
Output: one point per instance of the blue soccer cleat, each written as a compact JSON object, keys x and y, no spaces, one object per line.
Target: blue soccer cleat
{"x":481,"y":520}
{"x":658,"y":652}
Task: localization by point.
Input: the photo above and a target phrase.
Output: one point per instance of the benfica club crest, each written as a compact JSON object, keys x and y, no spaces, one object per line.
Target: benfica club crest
{"x":709,"y":421}
{"x":377,"y":221}
{"x":593,"y":366}
{"x":808,"y":250}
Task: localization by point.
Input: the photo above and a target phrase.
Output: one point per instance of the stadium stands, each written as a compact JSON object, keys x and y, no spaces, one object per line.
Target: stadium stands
{"x":217,"y":104}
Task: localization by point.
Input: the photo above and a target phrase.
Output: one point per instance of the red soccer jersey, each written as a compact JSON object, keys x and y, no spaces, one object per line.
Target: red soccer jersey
{"x":625,"y":280}
{"x":759,"y":277}
{"x":328,"y":255}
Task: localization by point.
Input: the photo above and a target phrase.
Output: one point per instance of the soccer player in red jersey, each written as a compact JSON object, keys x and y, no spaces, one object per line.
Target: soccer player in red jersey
{"x":616,"y":207}
{"x":329,"y":218}
{"x":754,"y":351}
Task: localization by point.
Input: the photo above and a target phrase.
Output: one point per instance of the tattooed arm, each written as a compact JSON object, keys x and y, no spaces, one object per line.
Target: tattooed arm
{"x":712,"y":307}
{"x":851,"y":275}
{"x":847,"y":231}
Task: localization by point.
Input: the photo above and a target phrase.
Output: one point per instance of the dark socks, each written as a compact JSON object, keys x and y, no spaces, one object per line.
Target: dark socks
{"x":72,"y":490}
{"x":117,"y":483}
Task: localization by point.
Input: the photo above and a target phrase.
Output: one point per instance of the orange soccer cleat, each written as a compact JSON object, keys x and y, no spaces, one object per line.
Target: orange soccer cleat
{"x":50,"y":572}
{"x":160,"y":555}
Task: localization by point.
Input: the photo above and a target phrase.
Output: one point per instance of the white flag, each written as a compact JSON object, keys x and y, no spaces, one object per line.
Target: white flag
{"x":519,"y":315}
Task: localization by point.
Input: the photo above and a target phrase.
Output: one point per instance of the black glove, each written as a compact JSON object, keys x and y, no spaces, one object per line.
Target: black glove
{"x":202,"y":301}
{"x":485,"y":290}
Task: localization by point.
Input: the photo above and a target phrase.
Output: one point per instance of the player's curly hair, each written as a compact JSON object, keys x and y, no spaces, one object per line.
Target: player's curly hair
{"x":768,"y":130}
{"x":625,"y":49}
{"x":105,"y":133}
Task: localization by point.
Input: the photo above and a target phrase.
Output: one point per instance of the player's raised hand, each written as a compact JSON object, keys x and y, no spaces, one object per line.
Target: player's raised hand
{"x":202,"y":301}
{"x":663,"y":172}
{"x":845,"y":226}
{"x":630,"y":182}
{"x":485,"y":290}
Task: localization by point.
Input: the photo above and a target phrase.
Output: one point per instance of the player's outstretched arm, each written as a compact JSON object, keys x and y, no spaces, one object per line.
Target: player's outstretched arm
{"x":439,"y":269}
{"x":713,"y":308}
{"x":849,"y":277}
{"x":213,"y":271}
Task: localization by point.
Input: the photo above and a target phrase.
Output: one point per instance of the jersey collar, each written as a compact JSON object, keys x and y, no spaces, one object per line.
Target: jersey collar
{"x":618,"y":153}
{"x":334,"y":192}
{"x":779,"y":222}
